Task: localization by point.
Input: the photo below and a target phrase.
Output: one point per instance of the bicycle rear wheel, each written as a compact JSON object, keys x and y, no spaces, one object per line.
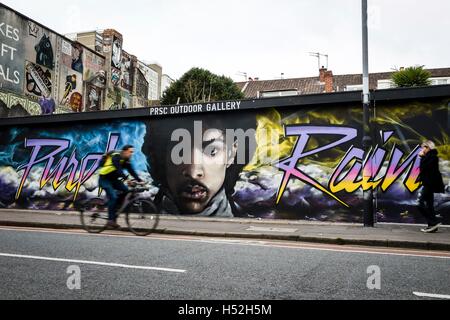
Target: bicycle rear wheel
{"x":142,"y":217}
{"x":94,"y":215}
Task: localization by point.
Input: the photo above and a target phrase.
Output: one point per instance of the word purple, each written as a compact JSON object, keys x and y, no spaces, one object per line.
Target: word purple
{"x":67,"y":170}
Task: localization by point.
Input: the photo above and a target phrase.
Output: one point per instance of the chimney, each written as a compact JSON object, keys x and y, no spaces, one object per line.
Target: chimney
{"x":322,"y":71}
{"x":326,"y":77}
{"x":329,"y":82}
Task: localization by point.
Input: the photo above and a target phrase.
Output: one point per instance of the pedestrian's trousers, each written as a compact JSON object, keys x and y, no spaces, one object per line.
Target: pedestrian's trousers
{"x":426,"y":206}
{"x":112,"y":187}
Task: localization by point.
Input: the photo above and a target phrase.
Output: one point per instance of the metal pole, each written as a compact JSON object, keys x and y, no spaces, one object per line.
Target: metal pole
{"x":369,"y":218}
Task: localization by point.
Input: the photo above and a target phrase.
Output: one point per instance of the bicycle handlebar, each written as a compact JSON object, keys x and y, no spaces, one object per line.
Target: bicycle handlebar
{"x":143,"y":189}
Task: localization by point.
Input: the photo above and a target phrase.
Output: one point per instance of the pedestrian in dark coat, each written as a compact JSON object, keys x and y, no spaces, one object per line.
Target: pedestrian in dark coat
{"x":432,"y":182}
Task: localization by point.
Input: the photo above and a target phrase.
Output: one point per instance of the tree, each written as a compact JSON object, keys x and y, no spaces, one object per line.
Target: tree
{"x":200,"y":86}
{"x":412,"y":77}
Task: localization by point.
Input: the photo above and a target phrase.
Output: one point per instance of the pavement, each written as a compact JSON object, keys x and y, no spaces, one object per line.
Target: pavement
{"x":41,"y":264}
{"x":383,"y":235}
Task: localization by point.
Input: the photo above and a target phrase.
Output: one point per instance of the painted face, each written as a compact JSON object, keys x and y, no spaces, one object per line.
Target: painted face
{"x":93,"y":95}
{"x":194,"y":185}
{"x":75,"y":54}
{"x":117,"y":53}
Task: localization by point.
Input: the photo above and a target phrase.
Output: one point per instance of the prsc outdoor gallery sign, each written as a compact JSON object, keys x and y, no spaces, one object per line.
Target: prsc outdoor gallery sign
{"x":196,"y":108}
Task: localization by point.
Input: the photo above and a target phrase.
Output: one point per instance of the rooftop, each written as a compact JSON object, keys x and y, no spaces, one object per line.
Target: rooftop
{"x":312,"y":85}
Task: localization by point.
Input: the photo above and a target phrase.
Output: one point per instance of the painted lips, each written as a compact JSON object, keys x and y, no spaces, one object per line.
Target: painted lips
{"x":195,"y":193}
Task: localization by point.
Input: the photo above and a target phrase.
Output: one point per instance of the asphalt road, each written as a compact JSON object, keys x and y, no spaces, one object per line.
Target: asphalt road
{"x":34,"y":265}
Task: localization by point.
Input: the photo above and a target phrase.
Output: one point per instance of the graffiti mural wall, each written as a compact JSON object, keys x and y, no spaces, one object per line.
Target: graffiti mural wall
{"x":277,"y":163}
{"x":41,"y":72}
{"x":95,"y":78}
{"x":14,"y":105}
{"x":27,"y":66}
{"x":12,"y":54}
{"x":121,"y":91}
{"x":410,"y":124}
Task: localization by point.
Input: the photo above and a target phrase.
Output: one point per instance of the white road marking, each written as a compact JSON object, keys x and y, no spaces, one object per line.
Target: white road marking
{"x":266,"y":244}
{"x":430,"y":295}
{"x":106,"y":264}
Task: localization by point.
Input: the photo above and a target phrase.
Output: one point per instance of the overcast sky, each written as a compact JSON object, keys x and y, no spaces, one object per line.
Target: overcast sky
{"x":261,"y":37}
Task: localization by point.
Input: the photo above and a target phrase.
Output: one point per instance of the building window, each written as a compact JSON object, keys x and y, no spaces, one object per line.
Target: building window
{"x":440,"y":81}
{"x":385,"y":84}
{"x":283,"y":93}
{"x":356,"y":87}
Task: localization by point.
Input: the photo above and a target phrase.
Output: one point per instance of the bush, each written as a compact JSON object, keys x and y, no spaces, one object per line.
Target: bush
{"x":412,"y":77}
{"x":200,"y":85}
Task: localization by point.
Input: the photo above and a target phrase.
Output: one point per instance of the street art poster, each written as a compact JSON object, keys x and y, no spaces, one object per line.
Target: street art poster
{"x":72,"y":56}
{"x":40,"y":45}
{"x":13,"y":105}
{"x":11,"y":52}
{"x":115,"y":77}
{"x":141,"y":85}
{"x":94,"y":95}
{"x":38,"y":81}
{"x":94,"y":65}
{"x":280,"y":163}
{"x":40,"y":67}
{"x":77,"y":58}
{"x":71,"y":86}
{"x":125,"y":76}
{"x":116,"y":54}
{"x":44,"y":52}
{"x":115,"y":99}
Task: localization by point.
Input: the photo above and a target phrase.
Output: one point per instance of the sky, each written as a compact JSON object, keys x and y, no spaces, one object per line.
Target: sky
{"x":261,"y":38}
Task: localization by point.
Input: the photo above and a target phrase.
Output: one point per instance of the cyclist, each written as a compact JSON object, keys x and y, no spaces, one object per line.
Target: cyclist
{"x":111,"y":180}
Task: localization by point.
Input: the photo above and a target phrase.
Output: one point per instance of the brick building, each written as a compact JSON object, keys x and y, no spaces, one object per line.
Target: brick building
{"x":131,"y":82}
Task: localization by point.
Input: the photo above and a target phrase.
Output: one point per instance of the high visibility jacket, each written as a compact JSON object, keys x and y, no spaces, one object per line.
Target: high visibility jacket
{"x":114,"y":165}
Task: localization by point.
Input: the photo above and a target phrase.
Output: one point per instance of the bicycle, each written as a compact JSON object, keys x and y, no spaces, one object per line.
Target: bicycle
{"x":142,"y":216}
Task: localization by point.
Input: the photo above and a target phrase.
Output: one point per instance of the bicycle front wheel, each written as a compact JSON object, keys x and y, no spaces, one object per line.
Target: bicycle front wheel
{"x":142,"y":217}
{"x":94,"y":215}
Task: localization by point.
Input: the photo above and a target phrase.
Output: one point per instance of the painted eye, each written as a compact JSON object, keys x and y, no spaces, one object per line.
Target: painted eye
{"x":214,"y":152}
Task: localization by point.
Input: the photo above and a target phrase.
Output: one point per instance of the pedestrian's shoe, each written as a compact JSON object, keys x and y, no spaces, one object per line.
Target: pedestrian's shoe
{"x":432,"y":229}
{"x":112,"y":225}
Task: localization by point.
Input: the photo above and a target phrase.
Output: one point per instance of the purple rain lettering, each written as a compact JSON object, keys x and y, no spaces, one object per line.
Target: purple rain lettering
{"x":68,"y":170}
{"x":354,"y":172}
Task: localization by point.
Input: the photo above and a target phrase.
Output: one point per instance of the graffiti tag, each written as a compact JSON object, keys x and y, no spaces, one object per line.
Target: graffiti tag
{"x":68,"y":170}
{"x":364,"y":173}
